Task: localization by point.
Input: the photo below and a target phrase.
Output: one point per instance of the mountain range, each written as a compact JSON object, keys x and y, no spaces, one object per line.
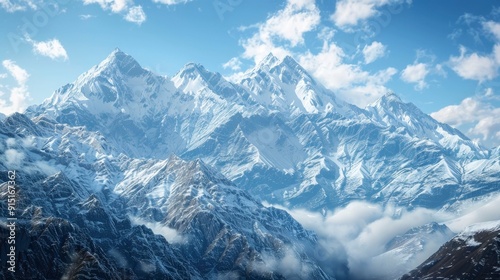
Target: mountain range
{"x":278,"y":134}
{"x":126,"y":173}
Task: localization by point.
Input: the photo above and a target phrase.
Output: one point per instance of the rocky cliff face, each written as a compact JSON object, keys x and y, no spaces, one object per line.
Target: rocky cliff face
{"x":472,"y":254}
{"x":83,"y":212}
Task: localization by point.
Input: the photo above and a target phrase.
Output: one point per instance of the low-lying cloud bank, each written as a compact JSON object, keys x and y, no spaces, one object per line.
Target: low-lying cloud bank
{"x":361,"y":231}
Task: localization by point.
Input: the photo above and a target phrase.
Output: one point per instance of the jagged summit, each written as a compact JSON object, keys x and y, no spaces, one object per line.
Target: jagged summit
{"x":119,"y":61}
{"x":388,"y":99}
{"x":271,"y":63}
{"x":268,"y":62}
{"x":283,"y":85}
{"x":391,"y":97}
{"x":192,"y":71}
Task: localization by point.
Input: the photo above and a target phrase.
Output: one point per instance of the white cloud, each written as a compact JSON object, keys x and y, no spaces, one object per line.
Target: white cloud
{"x":475,"y":66}
{"x":349,"y":13}
{"x":489,"y":92}
{"x":373,"y":51}
{"x":489,"y":127}
{"x":416,"y":73}
{"x":371,"y":89}
{"x":493,"y":28}
{"x":327,"y":66}
{"x":350,"y":82}
{"x":288,"y":25}
{"x":51,"y":48}
{"x":171,"y":2}
{"x":44,"y":167}
{"x":131,"y":13}
{"x":29,"y":141}
{"x":483,"y":211}
{"x":86,"y":17}
{"x":136,"y":15}
{"x":484,"y":118}
{"x":233,"y":64}
{"x":11,"y":142}
{"x":438,"y":69}
{"x":13,"y":158}
{"x":116,"y":6}
{"x":290,"y":265}
{"x":170,"y":234}
{"x":19,"y":94}
{"x":283,"y":33}
{"x":18,"y":73}
{"x":326,"y":34}
{"x":19,"y":5}
{"x":363,"y":229}
{"x":11,"y":7}
{"x":467,"y":111}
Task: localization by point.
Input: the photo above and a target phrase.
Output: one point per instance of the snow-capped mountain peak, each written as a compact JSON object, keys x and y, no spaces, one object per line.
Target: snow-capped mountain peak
{"x":268,"y":62}
{"x":390,"y":110}
{"x":119,"y":62}
{"x":193,"y":77}
{"x":283,"y":85}
{"x":116,"y":86}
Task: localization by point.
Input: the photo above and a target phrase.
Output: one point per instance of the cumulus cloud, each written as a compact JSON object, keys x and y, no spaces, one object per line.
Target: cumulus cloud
{"x":328,"y":67}
{"x":373,"y":51}
{"x":478,"y":116}
{"x":350,"y":13}
{"x":416,"y":73}
{"x":132,"y":13}
{"x":136,"y":15}
{"x":51,"y":48}
{"x":115,"y":6}
{"x":483,"y":116}
{"x":349,"y":81}
{"x":468,"y":110}
{"x":370,"y":89}
{"x":493,"y":28}
{"x":19,"y":95}
{"x":474,"y":66}
{"x":288,"y":25}
{"x":18,"y":73}
{"x":489,"y":127}
{"x":233,"y":64}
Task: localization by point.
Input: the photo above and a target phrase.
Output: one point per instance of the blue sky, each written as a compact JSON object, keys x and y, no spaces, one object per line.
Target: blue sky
{"x":443,"y":56}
